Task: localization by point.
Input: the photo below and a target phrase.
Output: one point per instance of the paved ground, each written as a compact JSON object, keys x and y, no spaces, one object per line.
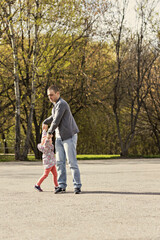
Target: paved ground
{"x":120,"y":201}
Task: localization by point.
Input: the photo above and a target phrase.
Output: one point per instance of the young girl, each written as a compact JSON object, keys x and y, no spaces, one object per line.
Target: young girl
{"x":49,"y":161}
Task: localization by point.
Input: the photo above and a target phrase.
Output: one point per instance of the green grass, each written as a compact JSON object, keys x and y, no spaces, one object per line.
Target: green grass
{"x":94,"y":157}
{"x":144,"y":156}
{"x":6,"y":158}
{"x":10,"y":157}
{"x":151,"y":156}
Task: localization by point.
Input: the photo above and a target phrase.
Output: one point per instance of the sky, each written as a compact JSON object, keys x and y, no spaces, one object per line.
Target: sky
{"x":131,"y":15}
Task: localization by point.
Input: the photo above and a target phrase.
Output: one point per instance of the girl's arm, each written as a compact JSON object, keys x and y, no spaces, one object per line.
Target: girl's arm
{"x":40,"y":147}
{"x":52,"y":147}
{"x":48,"y":146}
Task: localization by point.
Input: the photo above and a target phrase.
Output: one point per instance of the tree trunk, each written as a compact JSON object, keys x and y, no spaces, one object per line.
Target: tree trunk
{"x":32,"y":105}
{"x":124,"y":152}
{"x":6,"y":150}
{"x":16,"y":86}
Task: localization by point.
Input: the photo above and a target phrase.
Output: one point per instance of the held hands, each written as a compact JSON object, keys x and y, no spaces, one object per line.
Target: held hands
{"x":49,"y":136}
{"x":45,"y":127}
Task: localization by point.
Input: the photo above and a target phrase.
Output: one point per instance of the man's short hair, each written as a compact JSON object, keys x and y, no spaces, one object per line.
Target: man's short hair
{"x":54,"y":88}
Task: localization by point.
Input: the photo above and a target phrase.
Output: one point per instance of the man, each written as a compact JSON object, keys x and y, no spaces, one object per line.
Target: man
{"x":62,"y":122}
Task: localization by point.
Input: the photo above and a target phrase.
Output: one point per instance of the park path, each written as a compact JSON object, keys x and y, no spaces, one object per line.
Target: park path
{"x":120,"y":200}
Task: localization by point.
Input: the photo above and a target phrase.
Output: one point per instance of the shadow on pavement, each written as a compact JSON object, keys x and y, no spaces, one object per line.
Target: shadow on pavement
{"x":123,"y":193}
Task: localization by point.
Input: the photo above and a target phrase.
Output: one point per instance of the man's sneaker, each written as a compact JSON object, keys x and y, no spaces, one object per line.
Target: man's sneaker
{"x":38,"y":188}
{"x":59,"y":190}
{"x":77,"y":190}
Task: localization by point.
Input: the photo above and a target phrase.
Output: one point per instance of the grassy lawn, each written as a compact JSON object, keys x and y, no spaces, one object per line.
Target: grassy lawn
{"x":10,"y":157}
{"x":94,"y":157}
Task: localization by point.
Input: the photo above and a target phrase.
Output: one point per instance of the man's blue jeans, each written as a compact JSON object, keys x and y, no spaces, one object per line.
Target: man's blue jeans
{"x":67,"y":150}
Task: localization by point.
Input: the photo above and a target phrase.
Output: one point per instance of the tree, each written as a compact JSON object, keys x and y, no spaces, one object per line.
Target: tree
{"x":7,"y":19}
{"x":36,"y":16}
{"x":131,"y":71}
{"x":45,"y":35}
{"x":151,"y":106}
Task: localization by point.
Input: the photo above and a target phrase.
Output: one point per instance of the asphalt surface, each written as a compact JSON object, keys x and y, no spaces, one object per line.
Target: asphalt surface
{"x":120,"y":200}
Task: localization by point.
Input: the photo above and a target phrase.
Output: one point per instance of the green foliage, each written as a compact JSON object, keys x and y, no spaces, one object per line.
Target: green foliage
{"x":86,"y":72}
